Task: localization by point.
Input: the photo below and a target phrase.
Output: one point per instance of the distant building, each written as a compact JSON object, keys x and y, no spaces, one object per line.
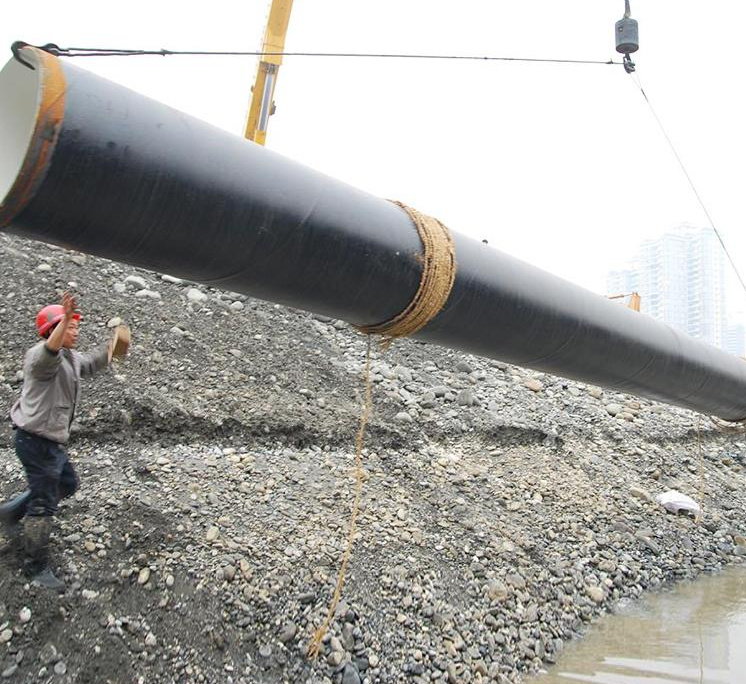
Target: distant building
{"x":735,"y":339}
{"x":623,"y":281}
{"x":681,"y":280}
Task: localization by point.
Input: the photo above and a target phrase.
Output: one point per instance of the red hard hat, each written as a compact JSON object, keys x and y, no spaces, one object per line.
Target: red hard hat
{"x":50,"y":316}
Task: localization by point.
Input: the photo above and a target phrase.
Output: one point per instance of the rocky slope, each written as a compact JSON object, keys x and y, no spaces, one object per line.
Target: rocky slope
{"x":502,"y":509}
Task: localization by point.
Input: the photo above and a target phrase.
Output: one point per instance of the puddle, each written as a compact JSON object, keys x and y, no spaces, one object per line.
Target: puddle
{"x":694,"y":634}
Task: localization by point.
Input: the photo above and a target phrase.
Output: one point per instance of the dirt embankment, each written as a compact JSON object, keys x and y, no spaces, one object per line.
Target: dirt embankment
{"x":502,"y":509}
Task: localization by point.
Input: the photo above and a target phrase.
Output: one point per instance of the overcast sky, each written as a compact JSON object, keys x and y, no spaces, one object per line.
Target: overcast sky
{"x":563,"y":166}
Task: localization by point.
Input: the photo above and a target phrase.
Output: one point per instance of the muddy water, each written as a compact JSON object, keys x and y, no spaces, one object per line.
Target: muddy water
{"x":694,"y":634}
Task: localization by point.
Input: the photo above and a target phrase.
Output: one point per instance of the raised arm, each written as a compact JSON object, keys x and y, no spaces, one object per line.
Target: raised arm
{"x":94,"y":362}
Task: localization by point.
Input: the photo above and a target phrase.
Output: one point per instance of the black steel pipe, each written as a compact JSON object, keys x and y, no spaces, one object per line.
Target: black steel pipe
{"x":91,"y":165}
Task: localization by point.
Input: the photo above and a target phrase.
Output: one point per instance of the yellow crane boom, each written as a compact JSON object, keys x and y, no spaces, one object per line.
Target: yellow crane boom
{"x":262,"y":103}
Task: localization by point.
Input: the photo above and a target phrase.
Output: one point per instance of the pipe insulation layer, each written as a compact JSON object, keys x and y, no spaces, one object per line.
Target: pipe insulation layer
{"x":90,"y":165}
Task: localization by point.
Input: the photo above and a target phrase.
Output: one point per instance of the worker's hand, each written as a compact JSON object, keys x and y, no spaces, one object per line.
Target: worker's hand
{"x":69,"y":305}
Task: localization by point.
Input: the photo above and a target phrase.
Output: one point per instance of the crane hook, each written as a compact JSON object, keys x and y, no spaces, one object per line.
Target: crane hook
{"x":627,"y":39}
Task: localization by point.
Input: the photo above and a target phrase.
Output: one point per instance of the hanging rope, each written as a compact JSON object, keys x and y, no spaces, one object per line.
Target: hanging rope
{"x":436,"y":281}
{"x":315,"y":646}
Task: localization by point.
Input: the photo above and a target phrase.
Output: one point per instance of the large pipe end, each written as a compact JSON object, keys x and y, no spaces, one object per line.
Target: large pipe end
{"x":32,"y":105}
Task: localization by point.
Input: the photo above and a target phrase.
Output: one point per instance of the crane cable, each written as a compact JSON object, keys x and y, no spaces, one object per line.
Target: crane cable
{"x":636,"y":79}
{"x":58,"y":51}
{"x":731,"y":427}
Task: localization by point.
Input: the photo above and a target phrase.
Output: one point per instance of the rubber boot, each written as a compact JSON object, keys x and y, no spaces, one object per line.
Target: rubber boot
{"x":36,"y":531}
{"x":12,"y":511}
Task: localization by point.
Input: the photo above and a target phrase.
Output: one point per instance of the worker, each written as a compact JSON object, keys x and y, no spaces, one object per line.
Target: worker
{"x":42,"y":418}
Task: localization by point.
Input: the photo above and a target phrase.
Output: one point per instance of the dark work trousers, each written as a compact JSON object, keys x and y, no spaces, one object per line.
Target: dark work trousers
{"x":50,"y":474}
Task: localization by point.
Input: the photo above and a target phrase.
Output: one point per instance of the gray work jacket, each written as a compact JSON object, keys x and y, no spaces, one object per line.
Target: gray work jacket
{"x":51,"y":389}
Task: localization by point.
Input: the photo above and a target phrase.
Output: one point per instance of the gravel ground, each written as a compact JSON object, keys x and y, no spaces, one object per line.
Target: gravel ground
{"x":502,"y":509}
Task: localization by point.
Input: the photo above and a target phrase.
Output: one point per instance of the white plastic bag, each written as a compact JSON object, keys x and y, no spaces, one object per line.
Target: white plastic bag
{"x":675,"y":502}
